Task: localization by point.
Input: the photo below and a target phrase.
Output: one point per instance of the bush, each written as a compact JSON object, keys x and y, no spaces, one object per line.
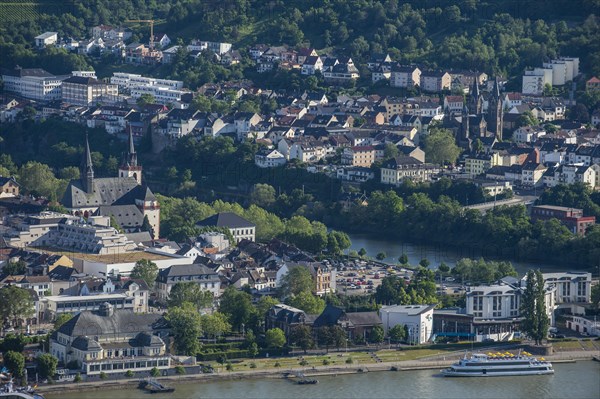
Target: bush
{"x":349,"y":360}
{"x":73,"y":365}
{"x":231,"y":354}
{"x":252,"y":365}
{"x":326,"y":362}
{"x":277,"y":364}
{"x":303,"y":362}
{"x":103,"y":376}
{"x":129,"y":374}
{"x":77,"y":378}
{"x":154,"y":372}
{"x":180,"y":370}
{"x":229,"y":366}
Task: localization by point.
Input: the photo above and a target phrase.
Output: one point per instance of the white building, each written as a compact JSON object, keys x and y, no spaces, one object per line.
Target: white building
{"x":528,"y":134}
{"x":418,"y":319}
{"x":534,"y":81}
{"x":269,"y":159}
{"x":584,"y":326}
{"x":571,"y":287}
{"x":207,"y":279}
{"x":46,"y":39}
{"x":34,"y":84}
{"x":216,"y":47}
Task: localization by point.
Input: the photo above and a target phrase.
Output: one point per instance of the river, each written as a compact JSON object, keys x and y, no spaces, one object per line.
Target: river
{"x":579,"y":380}
{"x":437,"y":254}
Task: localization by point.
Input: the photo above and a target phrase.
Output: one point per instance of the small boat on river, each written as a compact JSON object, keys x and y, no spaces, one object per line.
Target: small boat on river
{"x":153,"y":386}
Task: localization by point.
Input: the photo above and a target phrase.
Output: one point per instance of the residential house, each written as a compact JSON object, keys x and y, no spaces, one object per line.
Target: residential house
{"x":453,"y":104}
{"x":584,"y":326}
{"x":405,"y":76}
{"x":593,"y":84}
{"x":287,"y":318}
{"x":161,"y":40}
{"x":403,"y":167}
{"x":435,"y":81}
{"x":311,"y":65}
{"x":206,"y":278}
{"x":355,"y":174}
{"x":359,"y":156}
{"x":46,"y":39}
{"x":342,"y":73}
{"x":269,"y":158}
{"x":239,"y":227}
{"x":479,"y":163}
{"x":9,"y":187}
{"x":532,"y":174}
{"x":358,"y":326}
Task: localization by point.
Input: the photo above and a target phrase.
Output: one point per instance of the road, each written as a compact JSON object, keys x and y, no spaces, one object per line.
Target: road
{"x":516,"y":200}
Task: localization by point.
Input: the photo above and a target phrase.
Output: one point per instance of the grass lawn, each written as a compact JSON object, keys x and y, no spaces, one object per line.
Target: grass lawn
{"x":567,"y":345}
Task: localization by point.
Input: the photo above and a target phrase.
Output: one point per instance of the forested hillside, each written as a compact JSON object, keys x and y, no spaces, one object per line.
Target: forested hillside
{"x":493,"y":36}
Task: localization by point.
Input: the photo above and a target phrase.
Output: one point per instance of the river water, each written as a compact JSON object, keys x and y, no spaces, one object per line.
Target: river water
{"x":437,"y":254}
{"x":579,"y":380}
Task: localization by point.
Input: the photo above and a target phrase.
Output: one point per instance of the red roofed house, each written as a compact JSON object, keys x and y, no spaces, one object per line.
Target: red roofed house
{"x":593,"y":84}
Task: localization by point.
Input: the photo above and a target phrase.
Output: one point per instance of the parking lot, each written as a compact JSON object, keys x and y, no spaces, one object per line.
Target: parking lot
{"x":359,"y":277}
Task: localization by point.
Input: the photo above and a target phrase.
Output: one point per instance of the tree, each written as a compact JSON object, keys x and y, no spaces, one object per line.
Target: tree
{"x":381,"y":256}
{"x":307,"y":302}
{"x":595,"y":296}
{"x":190,"y":292}
{"x":362,"y":252}
{"x":424,"y":263}
{"x":129,"y":374}
{"x":403,"y":259}
{"x":15,"y":303}
{"x":533,"y":307}
{"x":390,"y":151}
{"x":443,"y":268}
{"x":301,"y":336}
{"x":377,"y":335}
{"x":15,"y":363}
{"x":103,"y":375}
{"x":297,"y":280}
{"x":237,"y":306}
{"x":186,"y":327}
{"x":397,"y":333}
{"x":215,"y":325}
{"x":253,"y":350}
{"x":180,"y":370}
{"x":15,"y":268}
{"x":440,"y":147}
{"x":145,"y":270}
{"x":145,"y":99}
{"x":275,"y":338}
{"x":39,"y":179}
{"x":62,"y":319}
{"x":155,"y":372}
{"x":262,"y":195}
{"x":13,"y":343}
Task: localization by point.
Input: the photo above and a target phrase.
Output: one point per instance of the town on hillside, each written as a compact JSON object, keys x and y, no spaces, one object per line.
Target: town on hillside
{"x":189,"y":206}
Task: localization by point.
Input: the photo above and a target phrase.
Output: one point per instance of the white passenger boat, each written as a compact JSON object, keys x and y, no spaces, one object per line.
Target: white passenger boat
{"x":499,"y":364}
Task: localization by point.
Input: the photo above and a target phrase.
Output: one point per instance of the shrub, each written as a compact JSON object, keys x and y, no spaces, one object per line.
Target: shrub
{"x":129,"y":374}
{"x":349,"y":360}
{"x":303,"y":362}
{"x":277,"y":364}
{"x":154,"y":372}
{"x":326,"y":362}
{"x":229,"y":366}
{"x":180,"y":370}
{"x":103,"y":376}
{"x":73,"y":365}
{"x":252,"y":365}
{"x":77,"y":378}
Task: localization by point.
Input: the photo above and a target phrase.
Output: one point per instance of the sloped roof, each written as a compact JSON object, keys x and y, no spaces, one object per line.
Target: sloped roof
{"x":330,"y":316}
{"x":226,"y":219}
{"x":364,"y":318}
{"x":127,"y":216}
{"x":88,"y":323}
{"x":106,"y":192}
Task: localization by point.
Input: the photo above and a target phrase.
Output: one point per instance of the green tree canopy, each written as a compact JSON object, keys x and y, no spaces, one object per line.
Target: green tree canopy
{"x":302,"y":336}
{"x":215,"y":325}
{"x":46,"y":364}
{"x":15,"y":363}
{"x":190,"y":292}
{"x":145,"y":270}
{"x":296,"y":281}
{"x":440,"y":147}
{"x":307,"y":302}
{"x":533,"y":307}
{"x":275,"y":338}
{"x":186,"y":327}
{"x":15,"y":303}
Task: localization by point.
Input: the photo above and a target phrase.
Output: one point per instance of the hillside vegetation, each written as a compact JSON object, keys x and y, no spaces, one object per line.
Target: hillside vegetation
{"x":493,"y":36}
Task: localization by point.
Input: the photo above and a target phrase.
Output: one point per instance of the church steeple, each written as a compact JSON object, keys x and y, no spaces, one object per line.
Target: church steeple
{"x":87,"y":169}
{"x":129,"y":166}
{"x":476,"y":101}
{"x":495,"y":118}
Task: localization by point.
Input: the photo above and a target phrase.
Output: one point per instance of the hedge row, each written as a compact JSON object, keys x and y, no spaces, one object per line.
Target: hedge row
{"x":232,"y":354}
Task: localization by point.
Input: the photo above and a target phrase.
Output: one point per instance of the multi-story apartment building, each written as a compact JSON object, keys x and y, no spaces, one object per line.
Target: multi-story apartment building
{"x":572,"y":218}
{"x":403,"y":168}
{"x":240,"y":228}
{"x":479,"y":163}
{"x":33,"y":83}
{"x":359,"y":156}
{"x":405,"y":76}
{"x":46,"y":39}
{"x":79,"y":90}
{"x":435,"y":81}
{"x":534,"y":81}
{"x":571,"y":287}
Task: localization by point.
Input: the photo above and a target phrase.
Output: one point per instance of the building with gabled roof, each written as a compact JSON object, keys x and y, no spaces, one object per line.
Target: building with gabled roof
{"x":239,"y":227}
{"x":89,"y":195}
{"x":110,"y":341}
{"x":206,"y":278}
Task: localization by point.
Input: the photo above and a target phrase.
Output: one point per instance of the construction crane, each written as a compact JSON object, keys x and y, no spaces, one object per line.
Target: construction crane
{"x":151,"y":22}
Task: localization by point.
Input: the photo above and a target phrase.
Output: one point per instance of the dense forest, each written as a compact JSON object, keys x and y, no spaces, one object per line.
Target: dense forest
{"x":493,"y":36}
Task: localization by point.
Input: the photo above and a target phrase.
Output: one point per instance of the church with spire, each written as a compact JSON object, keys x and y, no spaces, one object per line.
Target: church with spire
{"x":475,"y":122}
{"x":124,"y":198}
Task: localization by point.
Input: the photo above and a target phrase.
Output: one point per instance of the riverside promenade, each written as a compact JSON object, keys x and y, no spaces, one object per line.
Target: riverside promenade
{"x":431,"y":362}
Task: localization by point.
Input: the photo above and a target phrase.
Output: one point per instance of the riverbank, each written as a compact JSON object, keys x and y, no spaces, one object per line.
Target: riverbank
{"x":435,"y":363}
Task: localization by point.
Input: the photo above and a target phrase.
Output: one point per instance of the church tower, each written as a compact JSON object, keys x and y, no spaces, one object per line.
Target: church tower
{"x":129,"y":166}
{"x":465,"y":130}
{"x":475,"y":99}
{"x":495,"y":118}
{"x":87,"y":169}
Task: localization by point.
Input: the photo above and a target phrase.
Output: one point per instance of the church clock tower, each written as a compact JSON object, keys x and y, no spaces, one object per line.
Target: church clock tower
{"x":129,"y":166}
